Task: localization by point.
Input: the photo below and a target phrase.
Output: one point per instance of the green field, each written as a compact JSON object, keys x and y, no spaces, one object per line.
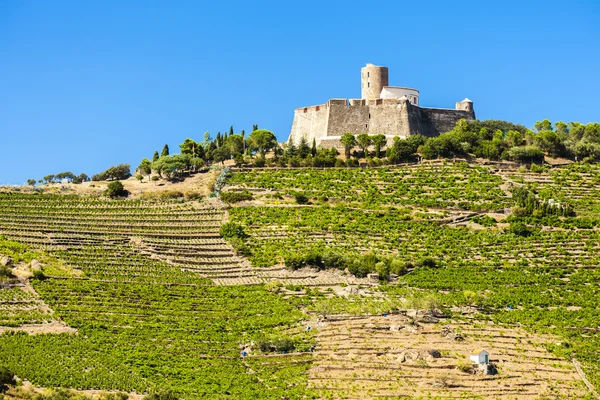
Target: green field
{"x":126,"y":274}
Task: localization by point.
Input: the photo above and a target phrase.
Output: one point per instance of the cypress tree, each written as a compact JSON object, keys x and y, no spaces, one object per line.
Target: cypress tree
{"x":165,"y":150}
{"x":313,"y":150}
{"x":231,"y":130}
{"x":155,"y":156}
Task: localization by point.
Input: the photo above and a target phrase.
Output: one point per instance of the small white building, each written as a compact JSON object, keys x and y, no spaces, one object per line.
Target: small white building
{"x":480,"y":357}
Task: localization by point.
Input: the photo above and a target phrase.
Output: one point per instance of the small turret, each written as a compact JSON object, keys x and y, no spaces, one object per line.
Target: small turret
{"x":465,"y":105}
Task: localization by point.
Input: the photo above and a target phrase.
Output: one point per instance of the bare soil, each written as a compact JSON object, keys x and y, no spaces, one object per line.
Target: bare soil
{"x":392,"y":357}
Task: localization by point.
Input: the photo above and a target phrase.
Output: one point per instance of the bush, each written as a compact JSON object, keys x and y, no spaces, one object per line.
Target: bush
{"x":240,"y":247}
{"x":39,"y":275}
{"x":171,"y":195}
{"x":120,"y":172}
{"x":236,"y":197}
{"x":426,"y":262}
{"x":5,"y":271}
{"x":301,"y":198}
{"x":484,"y":220}
{"x":7,"y":378}
{"x":519,"y":229}
{"x":397,"y":267}
{"x":114,"y":189}
{"x":161,"y":395}
{"x":232,"y":230}
{"x":295,"y":261}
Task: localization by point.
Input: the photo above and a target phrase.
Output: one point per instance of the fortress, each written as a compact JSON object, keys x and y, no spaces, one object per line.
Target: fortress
{"x":390,"y":110}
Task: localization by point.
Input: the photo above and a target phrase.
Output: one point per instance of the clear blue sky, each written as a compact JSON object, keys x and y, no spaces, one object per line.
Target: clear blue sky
{"x":88,"y":84}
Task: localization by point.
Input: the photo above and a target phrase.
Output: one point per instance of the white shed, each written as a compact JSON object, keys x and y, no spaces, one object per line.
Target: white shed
{"x":480,"y":357}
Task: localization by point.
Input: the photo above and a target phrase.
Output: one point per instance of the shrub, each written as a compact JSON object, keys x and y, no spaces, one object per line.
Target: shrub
{"x":426,"y":262}
{"x":5,"y":271}
{"x":519,"y":229}
{"x":121,"y":171}
{"x":39,"y":275}
{"x":301,"y":198}
{"x":240,"y":247}
{"x":260,"y":162}
{"x":485,"y":220}
{"x":465,"y":366}
{"x":114,"y":189}
{"x":161,"y":395}
{"x":171,"y":194}
{"x":236,"y":197}
{"x":232,"y":230}
{"x":294,"y":261}
{"x":7,"y":378}
{"x":397,"y":266}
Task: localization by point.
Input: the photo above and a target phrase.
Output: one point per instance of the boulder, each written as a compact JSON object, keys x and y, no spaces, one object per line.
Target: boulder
{"x":35,"y":265}
{"x":6,"y":261}
{"x":374,"y":277}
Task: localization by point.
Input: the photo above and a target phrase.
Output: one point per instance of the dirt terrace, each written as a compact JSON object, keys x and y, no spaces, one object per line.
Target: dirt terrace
{"x":389,"y":357}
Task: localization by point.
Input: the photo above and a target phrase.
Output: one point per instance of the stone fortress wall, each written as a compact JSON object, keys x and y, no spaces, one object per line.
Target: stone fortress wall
{"x":372,"y":114}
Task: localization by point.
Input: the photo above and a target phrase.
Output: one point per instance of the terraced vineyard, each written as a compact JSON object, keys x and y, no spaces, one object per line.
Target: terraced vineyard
{"x":545,"y":280}
{"x":391,"y":357}
{"x":146,"y":313}
{"x":154,"y":298}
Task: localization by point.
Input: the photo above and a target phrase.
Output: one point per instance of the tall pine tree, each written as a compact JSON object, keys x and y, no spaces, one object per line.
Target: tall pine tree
{"x":155,"y":156}
{"x":313,"y":150}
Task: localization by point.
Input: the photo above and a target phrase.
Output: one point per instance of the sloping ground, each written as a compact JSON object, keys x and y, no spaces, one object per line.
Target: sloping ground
{"x":144,"y":323}
{"x":389,"y":357}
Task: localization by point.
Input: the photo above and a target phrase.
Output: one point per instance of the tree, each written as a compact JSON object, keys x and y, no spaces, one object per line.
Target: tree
{"x":83,"y":177}
{"x":402,"y":150}
{"x":173,"y":166}
{"x":544,"y":125}
{"x":114,"y":189}
{"x":303,"y":148}
{"x":313,"y":149}
{"x":191,"y":148}
{"x":348,"y":140}
{"x":549,"y":142}
{"x":31,"y":182}
{"x":165,"y":151}
{"x":231,"y":130}
{"x":145,"y":167}
{"x":119,"y":172}
{"x":364,"y":141}
{"x":262,"y":140}
{"x":155,"y":156}
{"x":561,"y":128}
{"x":139,"y":177}
{"x":221,"y":154}
{"x":378,"y":141}
{"x":49,"y":178}
{"x":235,"y":144}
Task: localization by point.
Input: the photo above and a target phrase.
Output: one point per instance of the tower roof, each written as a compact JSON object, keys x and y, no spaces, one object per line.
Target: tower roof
{"x":467,"y":100}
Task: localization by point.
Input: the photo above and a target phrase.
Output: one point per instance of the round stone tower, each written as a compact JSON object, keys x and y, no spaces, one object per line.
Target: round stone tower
{"x":373,"y":79}
{"x":465,"y":105}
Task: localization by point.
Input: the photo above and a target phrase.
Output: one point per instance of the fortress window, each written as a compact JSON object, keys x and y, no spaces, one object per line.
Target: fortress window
{"x":368,"y":84}
{"x":306,"y":109}
{"x":317,"y":108}
{"x":368,"y":74}
{"x":369,"y":116}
